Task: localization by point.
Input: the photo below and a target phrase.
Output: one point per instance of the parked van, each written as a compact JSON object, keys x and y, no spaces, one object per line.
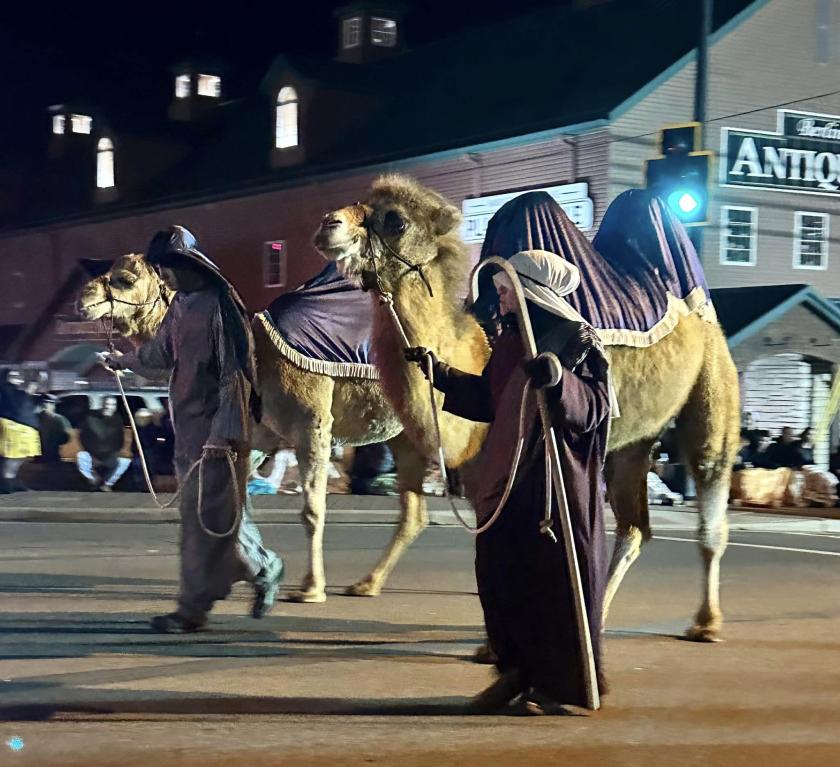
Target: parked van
{"x":74,"y":405}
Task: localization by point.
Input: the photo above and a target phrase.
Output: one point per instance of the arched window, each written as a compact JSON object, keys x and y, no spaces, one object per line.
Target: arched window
{"x":286,"y":130}
{"x":105,"y":163}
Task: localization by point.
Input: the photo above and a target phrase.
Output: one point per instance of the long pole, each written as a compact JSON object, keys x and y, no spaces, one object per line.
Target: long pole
{"x":700,"y":88}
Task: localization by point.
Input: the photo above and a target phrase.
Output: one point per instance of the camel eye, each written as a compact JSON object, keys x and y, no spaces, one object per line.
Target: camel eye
{"x":126,"y":279}
{"x":393,"y":223}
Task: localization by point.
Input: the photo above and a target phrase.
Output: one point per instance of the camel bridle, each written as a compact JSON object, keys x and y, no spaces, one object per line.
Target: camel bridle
{"x":112,"y":300}
{"x":370,"y":255}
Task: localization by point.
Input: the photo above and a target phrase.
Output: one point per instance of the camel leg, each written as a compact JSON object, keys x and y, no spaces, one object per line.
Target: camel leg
{"x":626,"y":475}
{"x":313,"y":453}
{"x":411,"y":468}
{"x":708,"y":434}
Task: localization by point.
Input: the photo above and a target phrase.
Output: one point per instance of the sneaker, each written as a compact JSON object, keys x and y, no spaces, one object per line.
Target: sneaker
{"x":498,"y":695}
{"x":174,"y":623}
{"x":266,"y":587}
{"x":535,"y":703}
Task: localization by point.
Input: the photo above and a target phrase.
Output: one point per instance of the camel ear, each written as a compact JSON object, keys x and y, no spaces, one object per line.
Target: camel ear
{"x":446,"y":218}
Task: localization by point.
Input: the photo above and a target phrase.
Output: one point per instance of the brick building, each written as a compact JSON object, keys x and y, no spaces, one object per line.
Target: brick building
{"x":569,"y":98}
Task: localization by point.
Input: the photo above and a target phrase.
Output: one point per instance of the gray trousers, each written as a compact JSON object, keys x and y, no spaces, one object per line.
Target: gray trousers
{"x":210,"y":565}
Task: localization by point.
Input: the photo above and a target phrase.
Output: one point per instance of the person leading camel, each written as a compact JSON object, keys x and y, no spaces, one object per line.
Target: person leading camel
{"x":523,"y":579}
{"x":205,"y":339}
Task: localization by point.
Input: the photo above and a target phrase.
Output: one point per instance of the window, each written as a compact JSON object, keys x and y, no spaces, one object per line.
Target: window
{"x":351,"y":32}
{"x":810,"y":240}
{"x":383,"y":32}
{"x":182,"y":86}
{"x":105,"y":164}
{"x":738,"y":235}
{"x":58,"y":124}
{"x":209,"y":85}
{"x":274,"y":264}
{"x":286,"y":130}
{"x":81,"y":123}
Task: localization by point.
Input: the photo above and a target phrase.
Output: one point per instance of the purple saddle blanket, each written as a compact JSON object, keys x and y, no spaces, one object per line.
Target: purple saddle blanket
{"x":639,"y":274}
{"x":325,"y":320}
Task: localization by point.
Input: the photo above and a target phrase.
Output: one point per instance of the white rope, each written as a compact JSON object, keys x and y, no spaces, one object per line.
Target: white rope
{"x":199,"y":463}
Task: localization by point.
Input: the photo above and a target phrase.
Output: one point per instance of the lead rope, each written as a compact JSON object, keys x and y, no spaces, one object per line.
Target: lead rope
{"x":199,"y":463}
{"x":387,"y":300}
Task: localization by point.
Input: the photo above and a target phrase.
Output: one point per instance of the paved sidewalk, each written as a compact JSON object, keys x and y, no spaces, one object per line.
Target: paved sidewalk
{"x":136,"y":508}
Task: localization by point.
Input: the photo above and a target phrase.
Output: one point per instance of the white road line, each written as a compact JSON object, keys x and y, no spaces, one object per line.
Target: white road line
{"x":755,"y":546}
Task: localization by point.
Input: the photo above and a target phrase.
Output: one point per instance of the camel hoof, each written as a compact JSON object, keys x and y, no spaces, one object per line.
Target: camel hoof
{"x":707,"y":634}
{"x":308,"y":597}
{"x":485,"y":656}
{"x":363,"y":589}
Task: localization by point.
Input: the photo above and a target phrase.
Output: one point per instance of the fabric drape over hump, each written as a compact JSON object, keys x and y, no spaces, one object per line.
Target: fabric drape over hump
{"x":638,"y":277}
{"x":324,"y":326}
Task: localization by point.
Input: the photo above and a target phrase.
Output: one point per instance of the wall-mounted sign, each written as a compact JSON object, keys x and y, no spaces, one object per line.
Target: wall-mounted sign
{"x":573,"y":198}
{"x":802,"y":155}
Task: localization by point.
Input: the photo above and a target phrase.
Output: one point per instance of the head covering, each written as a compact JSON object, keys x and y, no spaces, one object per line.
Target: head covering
{"x":546,"y":279}
{"x":176,"y":246}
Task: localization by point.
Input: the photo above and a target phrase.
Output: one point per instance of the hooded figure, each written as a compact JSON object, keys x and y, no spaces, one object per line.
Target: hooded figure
{"x":205,"y":340}
{"x":523,"y":579}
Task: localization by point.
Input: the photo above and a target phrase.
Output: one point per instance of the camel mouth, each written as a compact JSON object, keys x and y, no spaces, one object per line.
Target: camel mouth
{"x":92,"y":310}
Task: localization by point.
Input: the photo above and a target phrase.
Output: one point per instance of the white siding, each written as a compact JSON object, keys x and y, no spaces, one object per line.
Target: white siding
{"x":768,"y":60}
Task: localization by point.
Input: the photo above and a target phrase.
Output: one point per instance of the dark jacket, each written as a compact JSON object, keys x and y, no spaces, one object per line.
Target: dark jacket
{"x":102,"y":435}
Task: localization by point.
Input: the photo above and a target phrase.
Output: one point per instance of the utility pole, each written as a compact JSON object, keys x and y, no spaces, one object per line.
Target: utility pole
{"x":700,"y":88}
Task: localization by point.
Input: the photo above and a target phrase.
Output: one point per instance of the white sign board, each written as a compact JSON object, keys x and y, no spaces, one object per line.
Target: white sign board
{"x":573,"y":198}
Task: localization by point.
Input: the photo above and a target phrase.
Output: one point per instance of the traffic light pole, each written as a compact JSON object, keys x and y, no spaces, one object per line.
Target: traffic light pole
{"x":700,"y":91}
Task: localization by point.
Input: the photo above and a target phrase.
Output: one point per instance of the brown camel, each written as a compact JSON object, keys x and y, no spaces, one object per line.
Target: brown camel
{"x":311,"y":411}
{"x":404,"y":238}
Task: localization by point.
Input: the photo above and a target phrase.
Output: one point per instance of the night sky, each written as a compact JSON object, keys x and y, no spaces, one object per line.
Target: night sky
{"x":51,"y":52}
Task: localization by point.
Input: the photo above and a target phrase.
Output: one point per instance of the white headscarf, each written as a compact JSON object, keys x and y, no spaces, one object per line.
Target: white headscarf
{"x":545,"y":278}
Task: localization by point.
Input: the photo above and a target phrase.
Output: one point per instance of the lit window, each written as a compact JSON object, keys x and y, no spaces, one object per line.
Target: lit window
{"x":351,"y":32}
{"x":810,"y":240}
{"x":286,"y":130}
{"x":383,"y":32}
{"x":80,"y":123}
{"x":182,"y":86}
{"x":58,"y":124}
{"x":738,"y":235}
{"x":274,"y":264}
{"x":105,"y":164}
{"x":209,"y":85}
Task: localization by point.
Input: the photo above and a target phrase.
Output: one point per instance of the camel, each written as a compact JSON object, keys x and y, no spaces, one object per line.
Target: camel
{"x":404,"y":239}
{"x":309,"y":410}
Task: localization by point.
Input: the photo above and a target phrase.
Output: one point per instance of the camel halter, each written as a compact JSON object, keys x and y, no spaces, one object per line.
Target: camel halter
{"x":555,"y":485}
{"x":371,"y":256}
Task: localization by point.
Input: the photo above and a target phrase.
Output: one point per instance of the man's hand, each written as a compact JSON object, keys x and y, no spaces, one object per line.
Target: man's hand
{"x":110,"y":360}
{"x":420,"y":354}
{"x":217,"y":451}
{"x":544,"y":370}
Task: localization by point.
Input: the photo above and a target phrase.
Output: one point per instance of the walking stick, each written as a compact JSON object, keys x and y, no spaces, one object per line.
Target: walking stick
{"x":593,"y":701}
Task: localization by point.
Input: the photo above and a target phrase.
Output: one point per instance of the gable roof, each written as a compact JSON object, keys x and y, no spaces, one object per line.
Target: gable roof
{"x":743,"y":312}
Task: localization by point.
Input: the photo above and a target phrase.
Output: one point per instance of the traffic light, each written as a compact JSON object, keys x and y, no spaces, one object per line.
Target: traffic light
{"x":681,"y":175}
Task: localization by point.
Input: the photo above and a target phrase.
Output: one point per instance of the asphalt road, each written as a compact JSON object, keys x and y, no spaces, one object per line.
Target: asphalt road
{"x":384,"y":681}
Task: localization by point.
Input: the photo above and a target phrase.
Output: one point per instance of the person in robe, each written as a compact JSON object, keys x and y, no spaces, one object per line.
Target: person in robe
{"x":523,"y":579}
{"x":205,"y":340}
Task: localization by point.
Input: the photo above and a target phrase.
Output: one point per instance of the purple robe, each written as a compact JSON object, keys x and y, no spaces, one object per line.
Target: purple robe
{"x":209,"y":395}
{"x":523,"y":579}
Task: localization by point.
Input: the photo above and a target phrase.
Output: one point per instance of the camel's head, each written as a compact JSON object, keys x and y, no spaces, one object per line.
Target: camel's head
{"x":398,"y":229}
{"x":129,"y":290}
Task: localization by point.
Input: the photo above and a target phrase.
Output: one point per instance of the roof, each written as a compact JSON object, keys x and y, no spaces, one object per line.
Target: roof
{"x":558,"y":67}
{"x":743,"y":312}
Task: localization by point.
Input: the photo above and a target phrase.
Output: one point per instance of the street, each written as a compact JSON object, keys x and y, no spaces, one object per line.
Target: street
{"x":385,"y":681}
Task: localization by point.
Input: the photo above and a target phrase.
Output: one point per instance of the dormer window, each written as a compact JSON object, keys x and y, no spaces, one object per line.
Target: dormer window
{"x":286,"y":129}
{"x":58,"y":124}
{"x":351,"y":32}
{"x":383,"y":32}
{"x":182,"y":86}
{"x":81,"y":123}
{"x":105,"y":164}
{"x":210,"y":85}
